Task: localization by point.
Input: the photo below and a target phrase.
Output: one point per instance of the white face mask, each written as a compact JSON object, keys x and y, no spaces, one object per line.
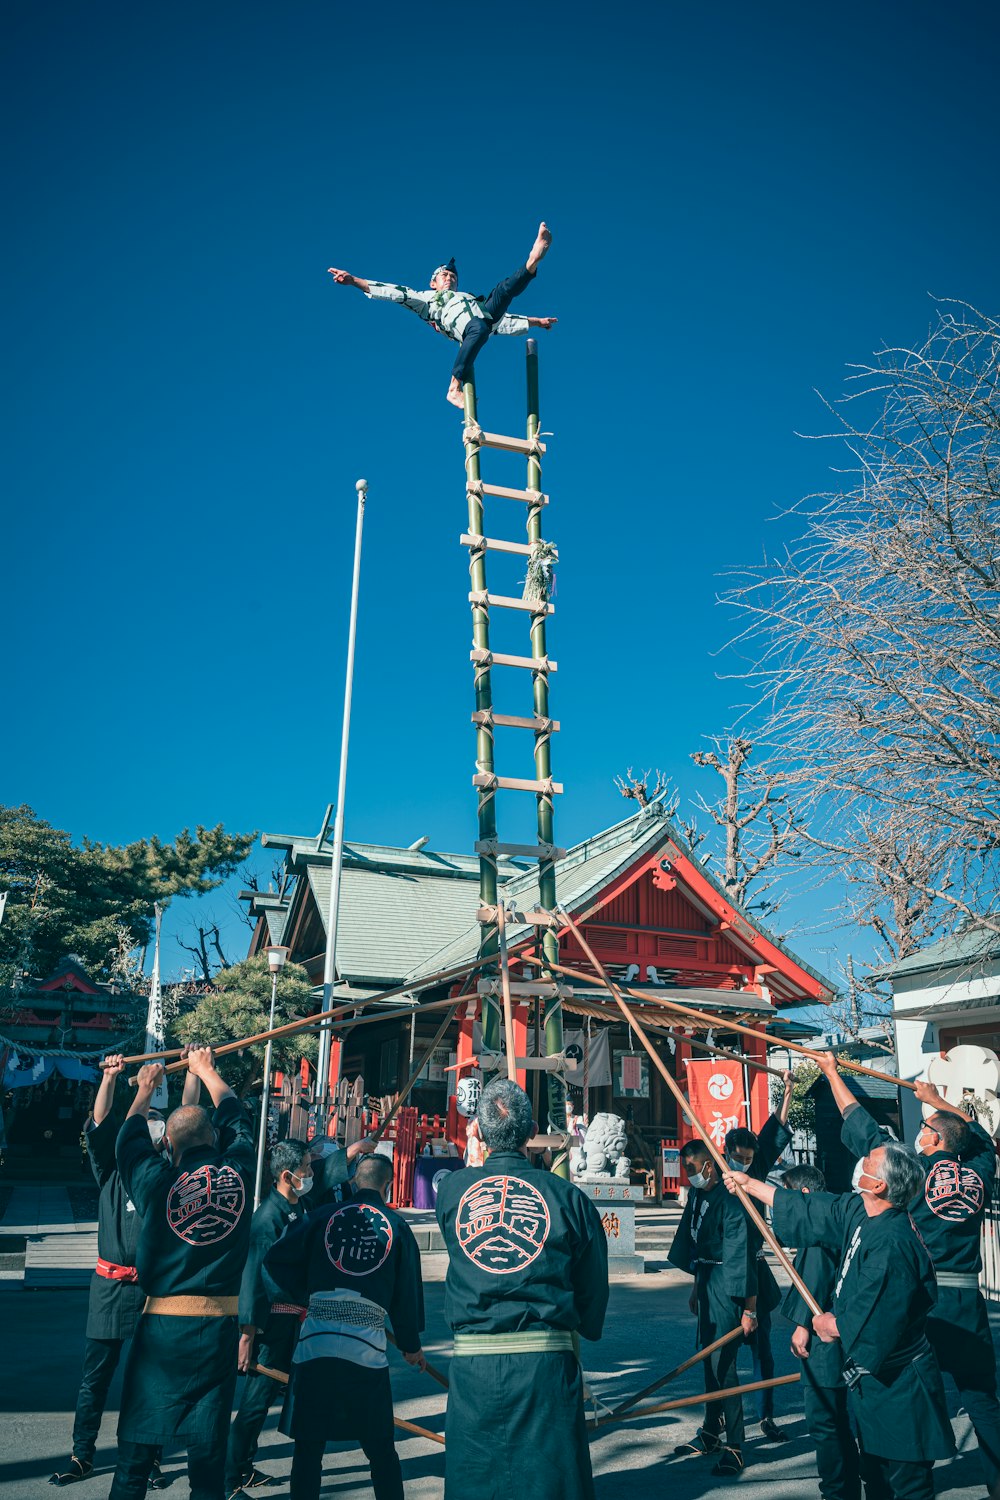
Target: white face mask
{"x":304,"y":1184}
{"x":697,"y":1179}
{"x":157,"y":1130}
{"x":856,"y":1176}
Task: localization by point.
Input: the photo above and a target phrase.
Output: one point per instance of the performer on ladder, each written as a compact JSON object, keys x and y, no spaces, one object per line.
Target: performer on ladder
{"x":468,"y":320}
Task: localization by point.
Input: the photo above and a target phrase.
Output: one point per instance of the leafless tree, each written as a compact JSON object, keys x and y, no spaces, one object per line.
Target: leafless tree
{"x":756,"y":817}
{"x":207,"y":940}
{"x":636,"y":788}
{"x":874,"y":640}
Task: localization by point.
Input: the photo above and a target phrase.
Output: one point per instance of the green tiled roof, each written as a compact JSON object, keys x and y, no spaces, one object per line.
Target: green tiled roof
{"x":586,"y":870}
{"x":970,"y":949}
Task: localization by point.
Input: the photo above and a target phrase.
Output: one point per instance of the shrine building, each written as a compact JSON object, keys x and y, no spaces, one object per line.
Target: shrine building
{"x":653,"y":914}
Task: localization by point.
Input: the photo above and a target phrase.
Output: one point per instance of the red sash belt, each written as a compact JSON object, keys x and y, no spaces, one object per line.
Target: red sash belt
{"x":289,"y":1307}
{"x":111,"y":1272}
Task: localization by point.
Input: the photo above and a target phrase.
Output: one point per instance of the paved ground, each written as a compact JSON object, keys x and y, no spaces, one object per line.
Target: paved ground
{"x":648,"y":1331}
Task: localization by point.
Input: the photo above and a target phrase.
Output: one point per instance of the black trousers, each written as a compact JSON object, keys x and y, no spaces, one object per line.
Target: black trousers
{"x":259,"y":1394}
{"x":307,"y":1467}
{"x":829,"y":1423}
{"x":897,"y":1478}
{"x":717,"y":1314}
{"x":763,"y":1362}
{"x":100,"y":1361}
{"x":206,"y":1471}
{"x":479,"y":329}
{"x":961,"y":1339}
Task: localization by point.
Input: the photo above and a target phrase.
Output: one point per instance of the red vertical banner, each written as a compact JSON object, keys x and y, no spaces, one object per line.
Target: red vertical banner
{"x":717,"y":1095}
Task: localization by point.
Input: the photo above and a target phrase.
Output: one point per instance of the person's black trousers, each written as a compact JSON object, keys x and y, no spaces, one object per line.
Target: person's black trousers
{"x":206,"y":1464}
{"x":259,"y":1394}
{"x":100,"y":1361}
{"x":963,"y":1344}
{"x":829,"y":1423}
{"x":897,"y":1478}
{"x":479,"y":329}
{"x":763,"y":1363}
{"x":307,"y":1467}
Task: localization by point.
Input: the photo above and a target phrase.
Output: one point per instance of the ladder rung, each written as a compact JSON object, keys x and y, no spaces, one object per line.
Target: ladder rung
{"x":496,"y":659}
{"x":505,"y":601}
{"x":505,"y":444}
{"x":532,"y":497}
{"x":487,"y":915}
{"x":522,"y":549}
{"x":520,"y":851}
{"x":512,"y":721}
{"x":487,"y":780}
{"x":545,"y":989}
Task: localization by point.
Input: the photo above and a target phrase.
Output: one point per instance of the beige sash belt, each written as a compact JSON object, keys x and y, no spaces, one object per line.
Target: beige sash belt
{"x":193,"y":1307}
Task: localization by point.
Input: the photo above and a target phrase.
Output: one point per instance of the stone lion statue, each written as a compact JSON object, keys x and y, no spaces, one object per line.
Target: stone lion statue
{"x":602,"y":1157}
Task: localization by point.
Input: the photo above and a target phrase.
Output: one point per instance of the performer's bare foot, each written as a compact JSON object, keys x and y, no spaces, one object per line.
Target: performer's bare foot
{"x":539,"y":249}
{"x":456,"y":395}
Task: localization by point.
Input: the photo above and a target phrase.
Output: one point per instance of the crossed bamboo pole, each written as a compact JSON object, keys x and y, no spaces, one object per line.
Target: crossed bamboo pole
{"x":662,"y":1029}
{"x":698,"y":1400}
{"x":281,"y":1377}
{"x":705,"y":1016}
{"x":309,"y":1023}
{"x":696,"y":1359}
{"x":751,"y":1208}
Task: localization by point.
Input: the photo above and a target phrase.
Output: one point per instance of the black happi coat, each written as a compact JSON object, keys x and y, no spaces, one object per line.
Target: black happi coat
{"x":883,"y":1293}
{"x":278,"y":1330}
{"x":818,"y":1268}
{"x":717,"y":1243}
{"x":527,"y":1252}
{"x":949,"y":1218}
{"x":364,"y":1248}
{"x":114,"y":1306}
{"x":771,"y":1142}
{"x":181,"y":1371}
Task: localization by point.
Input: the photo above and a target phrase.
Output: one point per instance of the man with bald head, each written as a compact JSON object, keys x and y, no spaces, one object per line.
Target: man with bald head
{"x":196,"y":1210}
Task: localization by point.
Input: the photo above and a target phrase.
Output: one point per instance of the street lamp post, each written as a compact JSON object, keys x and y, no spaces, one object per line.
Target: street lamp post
{"x":333,"y":908}
{"x":275,"y":962}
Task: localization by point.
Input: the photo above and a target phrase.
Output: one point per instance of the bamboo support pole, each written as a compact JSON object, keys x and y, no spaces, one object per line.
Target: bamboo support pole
{"x":307,"y":1023}
{"x":696,"y":1359}
{"x":699,"y":1400}
{"x":429,"y":1369}
{"x":701,"y":1015}
{"x":508,"y":1009}
{"x":682,"y":1103}
{"x":424,"y":1432}
{"x":556,"y":1086}
{"x":314,"y":1023}
{"x":404,"y":1092}
{"x":597,"y":1012}
{"x":483,"y":686}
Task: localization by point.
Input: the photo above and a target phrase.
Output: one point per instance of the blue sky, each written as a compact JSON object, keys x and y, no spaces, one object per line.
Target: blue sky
{"x":744,"y":199}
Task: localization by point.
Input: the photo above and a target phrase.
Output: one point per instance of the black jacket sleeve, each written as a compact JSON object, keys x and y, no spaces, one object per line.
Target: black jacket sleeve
{"x":817,"y":1268}
{"x":101,"y":1148}
{"x":236,"y":1141}
{"x":254,"y":1301}
{"x":285,"y":1266}
{"x":590,"y":1272}
{"x":980,"y":1155}
{"x":740,"y":1242}
{"x":141,"y":1166}
{"x":406,"y":1311}
{"x":771,"y":1142}
{"x":802,"y":1219}
{"x":860,"y":1134}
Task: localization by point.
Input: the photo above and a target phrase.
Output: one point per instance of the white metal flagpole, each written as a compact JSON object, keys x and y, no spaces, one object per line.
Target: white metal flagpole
{"x":333,"y":910}
{"x":154,"y":1016}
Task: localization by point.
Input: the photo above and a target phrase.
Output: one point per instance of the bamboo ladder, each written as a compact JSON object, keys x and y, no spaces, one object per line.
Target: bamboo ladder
{"x":495,"y":993}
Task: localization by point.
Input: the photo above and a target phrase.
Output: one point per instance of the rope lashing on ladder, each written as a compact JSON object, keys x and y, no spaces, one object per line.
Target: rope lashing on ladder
{"x":539,"y":582}
{"x":473,"y":435}
{"x":474,"y":487}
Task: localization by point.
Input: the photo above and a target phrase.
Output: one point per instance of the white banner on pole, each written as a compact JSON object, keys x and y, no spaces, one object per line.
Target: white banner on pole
{"x":154,"y":1015}
{"x":3,"y":903}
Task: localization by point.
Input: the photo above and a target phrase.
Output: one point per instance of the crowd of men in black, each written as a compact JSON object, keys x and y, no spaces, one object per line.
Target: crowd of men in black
{"x":204,"y":1288}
